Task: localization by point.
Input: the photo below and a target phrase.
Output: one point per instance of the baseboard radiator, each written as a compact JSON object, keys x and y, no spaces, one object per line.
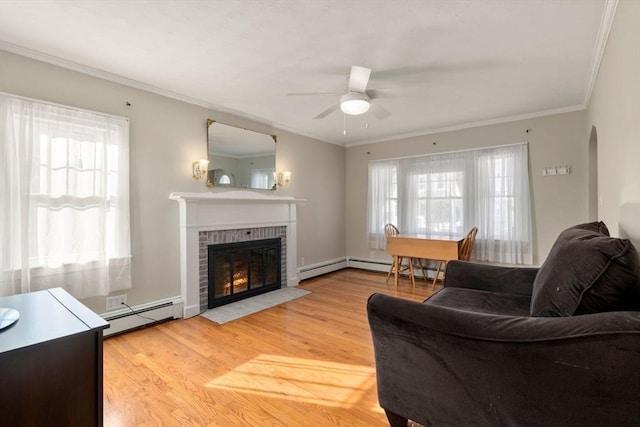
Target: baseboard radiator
{"x":313,"y":270}
{"x":127,"y":319}
{"x":384,"y":266}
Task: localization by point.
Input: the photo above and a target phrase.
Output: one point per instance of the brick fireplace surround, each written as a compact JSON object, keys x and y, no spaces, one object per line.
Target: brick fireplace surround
{"x":205,"y":215}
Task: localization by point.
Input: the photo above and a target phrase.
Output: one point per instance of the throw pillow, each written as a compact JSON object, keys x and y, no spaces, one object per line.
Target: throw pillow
{"x":586,"y":272}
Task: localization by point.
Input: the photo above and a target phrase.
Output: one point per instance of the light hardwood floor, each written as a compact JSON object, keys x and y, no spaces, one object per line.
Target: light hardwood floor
{"x":307,"y":362}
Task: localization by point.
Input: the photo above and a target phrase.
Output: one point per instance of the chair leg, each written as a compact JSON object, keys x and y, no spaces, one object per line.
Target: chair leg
{"x":396,"y":420}
{"x":435,"y":278}
{"x":393,"y":269}
{"x":393,"y":263}
{"x":411,"y":275}
{"x":424,"y":274}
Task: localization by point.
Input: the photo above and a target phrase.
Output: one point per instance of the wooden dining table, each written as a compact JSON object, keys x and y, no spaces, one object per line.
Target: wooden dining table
{"x":424,"y":246}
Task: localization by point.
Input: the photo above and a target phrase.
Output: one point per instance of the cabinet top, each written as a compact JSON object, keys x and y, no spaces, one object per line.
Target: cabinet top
{"x":45,"y":316}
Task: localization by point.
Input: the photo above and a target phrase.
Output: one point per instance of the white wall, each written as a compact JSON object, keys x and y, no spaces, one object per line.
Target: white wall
{"x":318,"y":176}
{"x":556,"y":140}
{"x":166,"y":137}
{"x":614,"y":111}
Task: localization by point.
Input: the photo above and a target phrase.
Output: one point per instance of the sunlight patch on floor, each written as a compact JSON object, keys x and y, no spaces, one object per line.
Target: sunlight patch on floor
{"x":305,"y":380}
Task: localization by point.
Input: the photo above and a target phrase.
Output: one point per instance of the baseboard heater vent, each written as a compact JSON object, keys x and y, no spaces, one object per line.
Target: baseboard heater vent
{"x":369,"y":264}
{"x":384,"y":266}
{"x":127,"y":319}
{"x":313,"y":270}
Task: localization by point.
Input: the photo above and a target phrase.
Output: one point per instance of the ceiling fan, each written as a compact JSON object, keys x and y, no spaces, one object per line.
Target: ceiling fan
{"x":357,"y":100}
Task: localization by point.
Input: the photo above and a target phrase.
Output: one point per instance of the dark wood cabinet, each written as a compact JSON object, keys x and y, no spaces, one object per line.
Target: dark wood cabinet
{"x":51,"y":362}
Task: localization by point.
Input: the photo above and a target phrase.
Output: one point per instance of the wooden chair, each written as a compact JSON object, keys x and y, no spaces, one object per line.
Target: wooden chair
{"x":391,"y":230}
{"x":464,"y":254}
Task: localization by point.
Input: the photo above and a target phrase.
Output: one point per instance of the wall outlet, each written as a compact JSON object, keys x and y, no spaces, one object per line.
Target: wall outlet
{"x":116,"y":302}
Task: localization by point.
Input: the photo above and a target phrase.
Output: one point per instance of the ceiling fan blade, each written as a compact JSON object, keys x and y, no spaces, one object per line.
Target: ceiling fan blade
{"x":359,"y":78}
{"x":311,"y":93}
{"x":378,"y":111}
{"x":327,"y":111}
{"x":378,"y":93}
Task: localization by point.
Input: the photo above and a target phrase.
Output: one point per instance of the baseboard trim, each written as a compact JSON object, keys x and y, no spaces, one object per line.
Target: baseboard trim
{"x":139,"y":316}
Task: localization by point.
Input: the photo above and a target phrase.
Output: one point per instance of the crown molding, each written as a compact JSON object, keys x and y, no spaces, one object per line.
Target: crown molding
{"x":463,"y":126}
{"x":600,"y":46}
{"x":94,"y":72}
{"x":105,"y":75}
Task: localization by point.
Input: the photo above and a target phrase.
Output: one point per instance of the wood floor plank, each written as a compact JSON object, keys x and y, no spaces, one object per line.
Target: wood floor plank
{"x":307,"y":362}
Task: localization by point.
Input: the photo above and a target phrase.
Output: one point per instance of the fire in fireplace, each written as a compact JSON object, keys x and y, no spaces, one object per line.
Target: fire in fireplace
{"x":242,"y":269}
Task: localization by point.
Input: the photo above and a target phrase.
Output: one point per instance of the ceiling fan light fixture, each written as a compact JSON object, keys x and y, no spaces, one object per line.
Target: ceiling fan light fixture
{"x":354,"y":103}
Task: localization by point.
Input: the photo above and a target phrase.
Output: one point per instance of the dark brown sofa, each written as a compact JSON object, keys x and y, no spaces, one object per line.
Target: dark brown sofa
{"x":499,"y":346}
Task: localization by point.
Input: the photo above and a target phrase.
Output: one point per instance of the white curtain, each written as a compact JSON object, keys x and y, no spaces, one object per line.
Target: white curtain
{"x":262,"y":178}
{"x":447,"y":194}
{"x":501,"y":207}
{"x":383,"y":200}
{"x":64,"y":199}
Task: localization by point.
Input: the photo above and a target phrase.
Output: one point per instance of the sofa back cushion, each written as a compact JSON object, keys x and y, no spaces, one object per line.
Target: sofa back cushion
{"x":598,"y":227}
{"x":586,"y":272}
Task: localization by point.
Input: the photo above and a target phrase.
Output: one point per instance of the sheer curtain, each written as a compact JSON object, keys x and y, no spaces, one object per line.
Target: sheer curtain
{"x":447,"y":194}
{"x":501,"y":206}
{"x":262,"y":178}
{"x":64,"y":199}
{"x":383,"y":200}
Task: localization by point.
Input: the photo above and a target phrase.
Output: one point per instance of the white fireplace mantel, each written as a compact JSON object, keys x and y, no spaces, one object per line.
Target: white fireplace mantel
{"x":226,"y":211}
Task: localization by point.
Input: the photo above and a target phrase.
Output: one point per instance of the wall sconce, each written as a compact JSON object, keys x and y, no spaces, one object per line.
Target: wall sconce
{"x":282,"y":178}
{"x":200,"y":169}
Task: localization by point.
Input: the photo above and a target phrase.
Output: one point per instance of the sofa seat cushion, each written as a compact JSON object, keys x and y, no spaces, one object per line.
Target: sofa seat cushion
{"x":481,"y":301}
{"x":585,"y":272}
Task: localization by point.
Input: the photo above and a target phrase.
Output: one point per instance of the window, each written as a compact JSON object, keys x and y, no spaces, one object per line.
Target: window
{"x":65,"y":199}
{"x":437,"y":186}
{"x":447,"y":194}
{"x":440,"y":203}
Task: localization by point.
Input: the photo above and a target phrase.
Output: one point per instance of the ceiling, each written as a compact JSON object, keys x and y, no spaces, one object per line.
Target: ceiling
{"x":437,"y":64}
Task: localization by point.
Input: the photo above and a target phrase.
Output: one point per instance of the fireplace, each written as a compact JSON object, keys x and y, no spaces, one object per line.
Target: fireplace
{"x":230,"y":217}
{"x":242,"y":269}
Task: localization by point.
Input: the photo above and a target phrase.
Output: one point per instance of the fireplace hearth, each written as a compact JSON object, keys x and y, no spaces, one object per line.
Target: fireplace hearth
{"x":242,"y":269}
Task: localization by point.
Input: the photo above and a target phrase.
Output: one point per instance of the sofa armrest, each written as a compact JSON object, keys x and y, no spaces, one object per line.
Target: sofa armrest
{"x":470,"y":275}
{"x":443,"y":366}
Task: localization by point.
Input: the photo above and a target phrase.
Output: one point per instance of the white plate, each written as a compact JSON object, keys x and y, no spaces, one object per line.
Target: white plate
{"x":8,"y":316}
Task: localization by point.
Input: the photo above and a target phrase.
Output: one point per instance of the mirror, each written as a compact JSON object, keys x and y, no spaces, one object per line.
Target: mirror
{"x":240,"y":157}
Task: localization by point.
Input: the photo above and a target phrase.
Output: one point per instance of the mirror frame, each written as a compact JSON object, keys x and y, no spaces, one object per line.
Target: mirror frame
{"x":209,"y":182}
